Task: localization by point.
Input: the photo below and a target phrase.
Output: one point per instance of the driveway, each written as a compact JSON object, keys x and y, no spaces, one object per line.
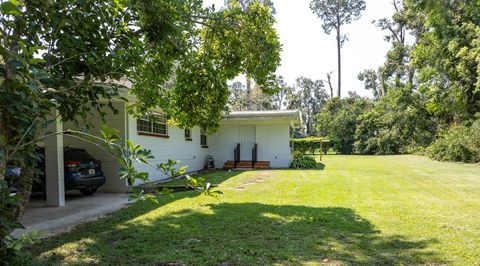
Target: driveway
{"x":78,"y":209}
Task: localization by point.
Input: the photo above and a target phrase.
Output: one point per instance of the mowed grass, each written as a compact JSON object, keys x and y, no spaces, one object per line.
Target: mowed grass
{"x":378,"y":210}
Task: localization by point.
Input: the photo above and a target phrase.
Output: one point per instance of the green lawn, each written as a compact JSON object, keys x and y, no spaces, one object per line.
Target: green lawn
{"x":358,"y":210}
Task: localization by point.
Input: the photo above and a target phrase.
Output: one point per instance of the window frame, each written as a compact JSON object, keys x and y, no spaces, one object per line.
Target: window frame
{"x":203,"y":135}
{"x":189,"y":137}
{"x":155,"y":121}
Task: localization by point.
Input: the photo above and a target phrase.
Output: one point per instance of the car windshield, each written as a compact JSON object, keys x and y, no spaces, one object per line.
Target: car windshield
{"x":77,"y":155}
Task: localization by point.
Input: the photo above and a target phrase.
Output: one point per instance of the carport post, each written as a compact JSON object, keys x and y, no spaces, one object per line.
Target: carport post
{"x":54,"y":175}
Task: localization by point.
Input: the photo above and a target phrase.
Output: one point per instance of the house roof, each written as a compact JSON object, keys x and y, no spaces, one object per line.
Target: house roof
{"x":290,"y":115}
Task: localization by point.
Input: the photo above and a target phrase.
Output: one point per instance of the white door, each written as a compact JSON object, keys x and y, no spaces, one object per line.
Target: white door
{"x":247,"y":140}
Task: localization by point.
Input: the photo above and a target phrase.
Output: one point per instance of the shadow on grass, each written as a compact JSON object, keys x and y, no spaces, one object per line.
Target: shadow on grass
{"x":234,"y":234}
{"x":320,"y":166}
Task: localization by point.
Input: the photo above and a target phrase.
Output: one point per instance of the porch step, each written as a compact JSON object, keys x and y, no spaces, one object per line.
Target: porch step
{"x":247,"y":165}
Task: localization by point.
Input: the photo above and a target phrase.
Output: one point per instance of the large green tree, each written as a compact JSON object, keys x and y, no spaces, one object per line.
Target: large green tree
{"x":339,"y":119}
{"x":427,"y":89}
{"x":67,"y":55}
{"x":251,"y":102}
{"x":309,"y":97}
{"x":281,"y":91}
{"x":447,"y":57}
{"x":335,"y":14}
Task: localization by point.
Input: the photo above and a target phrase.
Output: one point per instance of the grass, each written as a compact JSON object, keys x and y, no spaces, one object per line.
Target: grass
{"x":378,"y":210}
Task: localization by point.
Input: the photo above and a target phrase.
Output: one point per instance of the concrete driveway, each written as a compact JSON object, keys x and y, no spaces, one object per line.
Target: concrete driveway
{"x":78,"y":209}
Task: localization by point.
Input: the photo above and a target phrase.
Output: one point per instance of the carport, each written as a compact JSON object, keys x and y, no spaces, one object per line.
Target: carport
{"x":55,"y":143}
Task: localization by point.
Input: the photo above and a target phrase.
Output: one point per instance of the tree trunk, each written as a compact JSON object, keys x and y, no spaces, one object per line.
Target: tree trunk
{"x":249,"y":93}
{"x":329,"y":80}
{"x":339,"y":46}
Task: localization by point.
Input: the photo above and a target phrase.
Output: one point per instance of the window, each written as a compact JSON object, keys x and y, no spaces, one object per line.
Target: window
{"x":203,"y":138}
{"x":188,"y":134}
{"x":153,"y":124}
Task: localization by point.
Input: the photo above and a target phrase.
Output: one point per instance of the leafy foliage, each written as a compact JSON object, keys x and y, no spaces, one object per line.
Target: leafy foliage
{"x":310,"y":145}
{"x":339,"y":119}
{"x":446,"y":57}
{"x":309,"y":97}
{"x":126,"y":156}
{"x":302,"y":161}
{"x":459,"y":143}
{"x":397,"y":123}
{"x":427,"y":90}
{"x":256,"y":99}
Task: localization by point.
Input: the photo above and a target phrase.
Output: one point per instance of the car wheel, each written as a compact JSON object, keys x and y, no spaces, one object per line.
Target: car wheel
{"x":88,"y":191}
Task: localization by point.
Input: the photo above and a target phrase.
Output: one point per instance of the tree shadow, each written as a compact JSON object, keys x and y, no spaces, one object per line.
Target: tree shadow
{"x":241,"y":234}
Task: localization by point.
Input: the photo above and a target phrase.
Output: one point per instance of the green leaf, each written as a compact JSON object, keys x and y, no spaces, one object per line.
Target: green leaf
{"x":17,"y":2}
{"x":167,"y":192}
{"x":10,"y":8}
{"x":35,"y":61}
{"x":182,"y":170}
{"x":118,"y":4}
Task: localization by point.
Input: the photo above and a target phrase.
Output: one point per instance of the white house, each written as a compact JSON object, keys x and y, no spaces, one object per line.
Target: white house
{"x":231,"y":146}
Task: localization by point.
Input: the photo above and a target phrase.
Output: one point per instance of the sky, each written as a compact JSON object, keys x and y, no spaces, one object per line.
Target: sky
{"x":308,"y":51}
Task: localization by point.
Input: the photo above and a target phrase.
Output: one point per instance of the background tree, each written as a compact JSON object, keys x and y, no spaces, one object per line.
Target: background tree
{"x":396,"y":71}
{"x":397,"y":123}
{"x":329,"y":83}
{"x":238,"y":100}
{"x":244,"y":4}
{"x":256,"y":100}
{"x":427,"y":92}
{"x":309,"y":98}
{"x":339,"y":119}
{"x":372,"y":82}
{"x":335,"y":14}
{"x":281,"y":92}
{"x":446,"y":57}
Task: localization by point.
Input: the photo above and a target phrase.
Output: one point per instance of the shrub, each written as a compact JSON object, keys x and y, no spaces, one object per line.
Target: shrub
{"x":302,"y":161}
{"x":459,"y":143}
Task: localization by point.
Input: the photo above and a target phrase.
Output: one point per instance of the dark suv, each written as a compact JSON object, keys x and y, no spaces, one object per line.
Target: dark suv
{"x":81,"y":170}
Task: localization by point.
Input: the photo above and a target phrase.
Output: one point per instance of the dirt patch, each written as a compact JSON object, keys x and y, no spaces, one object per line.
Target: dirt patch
{"x":262,"y":177}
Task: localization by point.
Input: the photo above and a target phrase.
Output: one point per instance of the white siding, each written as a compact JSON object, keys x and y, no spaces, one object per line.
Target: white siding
{"x":272,"y":138}
{"x":278,"y":144}
{"x":110,"y":167}
{"x":175,"y":147}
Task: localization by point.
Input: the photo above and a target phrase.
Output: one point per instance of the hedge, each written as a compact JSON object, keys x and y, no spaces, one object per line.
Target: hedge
{"x":309,"y":144}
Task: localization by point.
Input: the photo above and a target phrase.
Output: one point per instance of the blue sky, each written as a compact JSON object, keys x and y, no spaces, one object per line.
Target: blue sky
{"x":308,"y":51}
